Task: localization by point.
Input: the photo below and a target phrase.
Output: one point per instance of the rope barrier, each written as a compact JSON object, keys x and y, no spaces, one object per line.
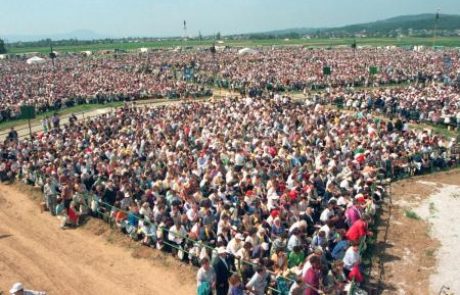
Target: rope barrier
{"x":390,"y":173}
{"x":88,"y":197}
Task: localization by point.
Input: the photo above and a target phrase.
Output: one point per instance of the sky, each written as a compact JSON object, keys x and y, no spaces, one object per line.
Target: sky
{"x":160,"y":18}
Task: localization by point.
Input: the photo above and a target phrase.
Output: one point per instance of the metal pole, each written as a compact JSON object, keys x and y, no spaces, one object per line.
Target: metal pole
{"x":30,"y":128}
{"x":51,"y":53}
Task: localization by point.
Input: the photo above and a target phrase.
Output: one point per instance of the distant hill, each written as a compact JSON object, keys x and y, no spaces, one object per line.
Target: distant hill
{"x":79,"y":35}
{"x":408,"y":24}
{"x":414,"y":22}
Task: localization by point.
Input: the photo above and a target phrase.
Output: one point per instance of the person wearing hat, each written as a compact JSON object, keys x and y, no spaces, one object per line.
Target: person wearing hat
{"x":222,"y":270}
{"x":18,"y":289}
{"x":235,"y":244}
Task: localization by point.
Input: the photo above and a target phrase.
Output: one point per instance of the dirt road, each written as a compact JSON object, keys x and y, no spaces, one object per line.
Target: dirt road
{"x":36,"y":252}
{"x":411,"y":256}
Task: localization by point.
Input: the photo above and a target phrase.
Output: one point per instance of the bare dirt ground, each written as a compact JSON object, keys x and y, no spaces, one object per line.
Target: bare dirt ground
{"x":92,"y":259}
{"x":408,"y":256}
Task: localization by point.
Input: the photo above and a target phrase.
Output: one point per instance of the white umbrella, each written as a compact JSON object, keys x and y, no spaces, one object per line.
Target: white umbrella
{"x":35,"y":60}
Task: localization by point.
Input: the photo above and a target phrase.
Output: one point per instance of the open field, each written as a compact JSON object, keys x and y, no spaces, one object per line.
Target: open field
{"x":406,"y":41}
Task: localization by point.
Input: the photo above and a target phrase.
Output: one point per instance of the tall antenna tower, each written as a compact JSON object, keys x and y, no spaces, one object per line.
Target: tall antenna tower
{"x":185,"y":30}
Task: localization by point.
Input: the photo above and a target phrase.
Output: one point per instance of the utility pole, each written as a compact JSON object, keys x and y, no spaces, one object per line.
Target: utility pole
{"x":52,"y":55}
{"x":185,"y":29}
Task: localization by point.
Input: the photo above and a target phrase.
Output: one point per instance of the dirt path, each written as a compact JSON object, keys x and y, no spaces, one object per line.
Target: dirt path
{"x":441,"y":211}
{"x":36,"y":126}
{"x":407,"y":255}
{"x":88,"y":260}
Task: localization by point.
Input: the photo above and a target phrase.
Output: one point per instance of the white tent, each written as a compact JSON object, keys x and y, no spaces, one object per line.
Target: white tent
{"x":35,"y":60}
{"x":144,"y":49}
{"x":246,"y":51}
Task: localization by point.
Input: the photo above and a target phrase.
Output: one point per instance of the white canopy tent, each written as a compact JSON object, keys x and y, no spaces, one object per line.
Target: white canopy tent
{"x":246,"y":51}
{"x":35,"y":60}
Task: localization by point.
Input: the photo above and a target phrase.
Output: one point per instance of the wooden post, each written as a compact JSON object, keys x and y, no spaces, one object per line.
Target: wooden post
{"x":30,"y":128}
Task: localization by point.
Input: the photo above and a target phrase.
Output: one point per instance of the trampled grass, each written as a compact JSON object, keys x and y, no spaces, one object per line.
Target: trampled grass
{"x":75,"y":109}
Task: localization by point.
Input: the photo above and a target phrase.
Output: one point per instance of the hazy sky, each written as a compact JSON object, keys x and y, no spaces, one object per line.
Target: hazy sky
{"x":165,"y":17}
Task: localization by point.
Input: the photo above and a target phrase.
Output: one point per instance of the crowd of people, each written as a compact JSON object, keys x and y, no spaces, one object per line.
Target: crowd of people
{"x":82,"y":80}
{"x":435,"y":103}
{"x":300,"y":68}
{"x":260,"y":192}
{"x":97,"y":79}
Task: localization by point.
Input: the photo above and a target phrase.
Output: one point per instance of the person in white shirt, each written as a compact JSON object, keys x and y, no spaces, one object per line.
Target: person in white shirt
{"x":259,"y":281}
{"x":294,"y":239}
{"x":51,"y":193}
{"x":351,"y":256}
{"x":177,"y":233}
{"x":328,"y":212}
{"x":193,"y":213}
{"x":149,"y":231}
{"x":206,"y":274}
{"x":18,"y":289}
{"x":235,"y":244}
{"x":146,"y":211}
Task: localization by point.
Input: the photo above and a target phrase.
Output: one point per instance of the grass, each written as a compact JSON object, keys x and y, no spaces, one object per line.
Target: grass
{"x":171,"y":43}
{"x":437,"y":129}
{"x":65,"y":111}
{"x":411,"y":214}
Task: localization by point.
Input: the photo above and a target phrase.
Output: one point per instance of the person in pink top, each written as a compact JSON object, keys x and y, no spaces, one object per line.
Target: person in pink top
{"x":312,"y":276}
{"x":352,"y":214}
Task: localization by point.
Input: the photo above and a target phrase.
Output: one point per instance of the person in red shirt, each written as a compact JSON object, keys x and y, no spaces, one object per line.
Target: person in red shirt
{"x":355,"y":274}
{"x":359,"y":229}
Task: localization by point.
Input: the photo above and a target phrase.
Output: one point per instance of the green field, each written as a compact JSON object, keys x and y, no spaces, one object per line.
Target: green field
{"x":407,"y":41}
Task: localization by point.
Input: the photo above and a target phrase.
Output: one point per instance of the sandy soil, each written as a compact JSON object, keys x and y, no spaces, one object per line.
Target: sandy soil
{"x":413,"y":256}
{"x":441,"y":211}
{"x":92,"y":259}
